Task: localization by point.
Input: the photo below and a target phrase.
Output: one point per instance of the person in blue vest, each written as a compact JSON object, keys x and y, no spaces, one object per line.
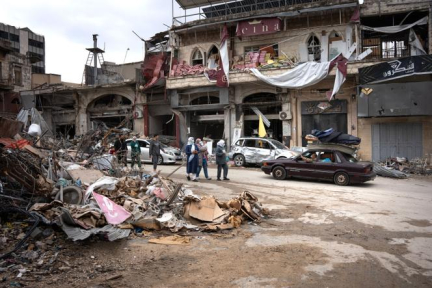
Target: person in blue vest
{"x":191,"y":151}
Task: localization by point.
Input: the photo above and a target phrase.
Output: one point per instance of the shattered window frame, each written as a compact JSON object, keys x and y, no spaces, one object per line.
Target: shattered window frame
{"x":314,"y":47}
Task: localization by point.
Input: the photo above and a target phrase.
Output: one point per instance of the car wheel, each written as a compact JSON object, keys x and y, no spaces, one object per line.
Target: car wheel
{"x":160,"y":160}
{"x":279,"y":173}
{"x":239,"y":160}
{"x":283,"y":157}
{"x":341,"y":178}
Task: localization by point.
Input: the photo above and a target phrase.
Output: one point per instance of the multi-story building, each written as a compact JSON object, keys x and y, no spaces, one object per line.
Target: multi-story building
{"x":26,"y":42}
{"x":282,"y":38}
{"x":15,"y":76}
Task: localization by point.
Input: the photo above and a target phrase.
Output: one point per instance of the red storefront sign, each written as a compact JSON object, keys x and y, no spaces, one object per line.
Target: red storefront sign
{"x":258,"y":27}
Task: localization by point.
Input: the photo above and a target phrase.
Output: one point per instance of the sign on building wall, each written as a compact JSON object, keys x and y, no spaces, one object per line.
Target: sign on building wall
{"x":402,"y":67}
{"x":258,"y":27}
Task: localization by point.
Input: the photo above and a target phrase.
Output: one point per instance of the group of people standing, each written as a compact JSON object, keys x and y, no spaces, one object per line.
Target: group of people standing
{"x":197,"y":159}
{"x":120,"y":148}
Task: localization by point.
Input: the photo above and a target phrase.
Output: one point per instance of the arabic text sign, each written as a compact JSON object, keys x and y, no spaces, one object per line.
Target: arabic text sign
{"x":258,"y":27}
{"x":399,"y":68}
{"x":114,"y":213}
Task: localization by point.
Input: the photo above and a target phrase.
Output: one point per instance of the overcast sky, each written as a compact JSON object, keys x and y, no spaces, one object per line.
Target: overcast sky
{"x":68,"y":26}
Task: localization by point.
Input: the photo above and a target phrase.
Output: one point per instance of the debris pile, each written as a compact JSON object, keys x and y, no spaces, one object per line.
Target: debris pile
{"x":51,"y":192}
{"x":401,"y":167}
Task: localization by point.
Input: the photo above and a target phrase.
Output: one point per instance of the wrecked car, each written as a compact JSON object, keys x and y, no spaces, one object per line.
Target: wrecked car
{"x":167,"y":157}
{"x":255,"y":150}
{"x":321,"y":164}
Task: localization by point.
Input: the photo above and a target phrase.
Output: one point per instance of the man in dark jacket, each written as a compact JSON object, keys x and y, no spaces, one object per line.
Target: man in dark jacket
{"x":154,"y":151}
{"x":221,"y":160}
{"x":120,"y":148}
{"x":135,"y":153}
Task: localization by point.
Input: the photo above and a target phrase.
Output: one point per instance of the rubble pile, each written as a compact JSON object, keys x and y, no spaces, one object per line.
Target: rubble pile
{"x":49,"y":196}
{"x":401,"y":167}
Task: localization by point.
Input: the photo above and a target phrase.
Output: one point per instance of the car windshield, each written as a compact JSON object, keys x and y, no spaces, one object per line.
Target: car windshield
{"x":278,"y":144}
{"x":350,"y":158}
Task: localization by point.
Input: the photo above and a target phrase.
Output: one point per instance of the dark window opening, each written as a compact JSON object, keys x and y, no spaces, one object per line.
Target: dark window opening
{"x":36,"y":43}
{"x":205,"y":100}
{"x":4,"y":35}
{"x":314,"y":48}
{"x":267,"y":103}
{"x":14,"y":37}
{"x":111,"y":101}
{"x":197,"y":58}
{"x":17,"y":75}
{"x":16,"y":101}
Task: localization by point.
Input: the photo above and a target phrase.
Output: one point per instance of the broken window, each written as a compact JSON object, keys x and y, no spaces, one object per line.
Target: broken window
{"x":197,"y":58}
{"x":17,"y":75}
{"x":314,"y":48}
{"x":394,"y":48}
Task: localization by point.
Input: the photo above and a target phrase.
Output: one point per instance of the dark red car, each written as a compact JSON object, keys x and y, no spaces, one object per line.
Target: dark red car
{"x":321,"y":164}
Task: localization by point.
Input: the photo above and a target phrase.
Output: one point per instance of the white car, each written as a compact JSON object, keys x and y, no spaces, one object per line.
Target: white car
{"x":252,"y":150}
{"x":167,"y":157}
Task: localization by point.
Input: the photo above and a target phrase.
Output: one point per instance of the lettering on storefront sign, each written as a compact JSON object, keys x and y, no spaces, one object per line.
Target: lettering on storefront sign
{"x":396,"y":68}
{"x":258,"y":27}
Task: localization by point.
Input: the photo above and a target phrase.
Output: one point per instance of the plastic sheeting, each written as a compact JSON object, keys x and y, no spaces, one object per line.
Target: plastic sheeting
{"x":397,"y":28}
{"x":36,"y":118}
{"x":302,"y":76}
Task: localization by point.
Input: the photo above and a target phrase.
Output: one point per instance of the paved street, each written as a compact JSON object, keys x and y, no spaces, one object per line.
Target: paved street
{"x":375,"y":234}
{"x":378,"y":234}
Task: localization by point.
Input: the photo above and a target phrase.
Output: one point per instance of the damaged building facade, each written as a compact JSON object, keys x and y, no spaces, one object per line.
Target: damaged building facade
{"x":109,"y":96}
{"x":15,"y":76}
{"x":280,"y":38}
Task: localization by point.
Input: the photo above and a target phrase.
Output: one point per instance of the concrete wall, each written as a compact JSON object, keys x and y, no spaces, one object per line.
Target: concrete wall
{"x":24,"y":36}
{"x":39,"y":79}
{"x":127,"y":70}
{"x":365,"y":133}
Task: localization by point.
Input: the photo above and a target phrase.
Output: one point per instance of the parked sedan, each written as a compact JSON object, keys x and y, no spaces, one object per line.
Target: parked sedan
{"x":167,"y":157}
{"x":321,"y":164}
{"x":253,"y":150}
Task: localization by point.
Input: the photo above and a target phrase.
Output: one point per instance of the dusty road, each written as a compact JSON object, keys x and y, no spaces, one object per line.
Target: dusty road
{"x":378,"y":234}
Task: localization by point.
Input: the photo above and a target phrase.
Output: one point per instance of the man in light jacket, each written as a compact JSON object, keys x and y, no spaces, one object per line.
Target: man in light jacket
{"x":221,"y":160}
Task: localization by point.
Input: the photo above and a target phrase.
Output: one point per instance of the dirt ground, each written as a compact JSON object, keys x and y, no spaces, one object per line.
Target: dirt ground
{"x":318,"y":235}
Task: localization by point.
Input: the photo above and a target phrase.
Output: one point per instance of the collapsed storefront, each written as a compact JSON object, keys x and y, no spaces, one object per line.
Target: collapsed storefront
{"x":395,"y":110}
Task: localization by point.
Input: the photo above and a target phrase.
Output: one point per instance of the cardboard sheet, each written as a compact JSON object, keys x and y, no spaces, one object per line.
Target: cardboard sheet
{"x":205,"y":210}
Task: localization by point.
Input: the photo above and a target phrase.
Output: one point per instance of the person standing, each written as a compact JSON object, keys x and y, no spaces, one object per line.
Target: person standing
{"x":135,"y":153}
{"x":154,"y":151}
{"x":221,"y":160}
{"x":191,"y":151}
{"x":202,"y":158}
{"x":120,"y":148}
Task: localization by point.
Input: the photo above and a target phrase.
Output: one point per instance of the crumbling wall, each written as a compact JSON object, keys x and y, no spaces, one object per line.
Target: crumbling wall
{"x":15,"y":59}
{"x":374,"y":7}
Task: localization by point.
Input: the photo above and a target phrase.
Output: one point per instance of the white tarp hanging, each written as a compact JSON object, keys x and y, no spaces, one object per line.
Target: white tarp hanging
{"x":416,"y":46}
{"x":36,"y":118}
{"x":224,"y":53}
{"x":397,"y":28}
{"x":303,"y":75}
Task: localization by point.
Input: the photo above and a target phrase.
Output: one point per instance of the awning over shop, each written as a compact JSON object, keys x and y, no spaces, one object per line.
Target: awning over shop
{"x":399,"y":68}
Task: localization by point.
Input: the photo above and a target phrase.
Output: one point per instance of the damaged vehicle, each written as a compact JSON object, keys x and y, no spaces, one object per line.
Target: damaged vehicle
{"x":321,"y":164}
{"x":253,"y":150}
{"x":168,"y":157}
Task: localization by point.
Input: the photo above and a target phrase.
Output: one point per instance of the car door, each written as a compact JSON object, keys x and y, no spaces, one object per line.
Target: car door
{"x":144,"y":145}
{"x":326,"y":165}
{"x":128,"y":143}
{"x":263,"y":150}
{"x":302,"y":168}
{"x":249,"y":150}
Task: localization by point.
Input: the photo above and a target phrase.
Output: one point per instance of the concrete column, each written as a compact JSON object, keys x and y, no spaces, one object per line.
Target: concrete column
{"x":286,"y":124}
